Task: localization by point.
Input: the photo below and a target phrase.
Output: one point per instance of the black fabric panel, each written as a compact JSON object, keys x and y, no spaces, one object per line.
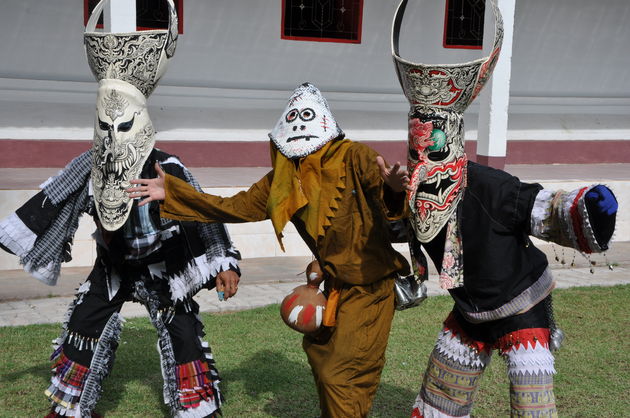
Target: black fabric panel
{"x":90,"y":316}
{"x":499,"y":259}
{"x":185,"y":330}
{"x":38,"y":212}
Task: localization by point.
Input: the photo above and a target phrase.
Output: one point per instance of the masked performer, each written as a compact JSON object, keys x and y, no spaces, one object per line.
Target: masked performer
{"x":332,"y":191}
{"x":158,"y":262}
{"x":475,"y":223}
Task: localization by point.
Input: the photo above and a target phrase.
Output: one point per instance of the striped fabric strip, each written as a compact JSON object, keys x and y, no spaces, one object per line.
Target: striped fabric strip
{"x":521,"y":303}
{"x":532,"y":396}
{"x":576,"y":220}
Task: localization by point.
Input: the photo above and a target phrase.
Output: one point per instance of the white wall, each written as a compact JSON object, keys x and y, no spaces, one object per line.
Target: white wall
{"x":233,"y":72}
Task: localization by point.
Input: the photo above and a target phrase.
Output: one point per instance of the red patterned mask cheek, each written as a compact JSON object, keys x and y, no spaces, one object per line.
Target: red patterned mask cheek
{"x":441,"y":187}
{"x":420,"y":135}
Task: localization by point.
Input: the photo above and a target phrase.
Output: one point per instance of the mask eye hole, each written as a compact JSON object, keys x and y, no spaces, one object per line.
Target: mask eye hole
{"x":104,"y":125}
{"x":292,"y":115}
{"x":125,"y":126}
{"x":307,"y":114}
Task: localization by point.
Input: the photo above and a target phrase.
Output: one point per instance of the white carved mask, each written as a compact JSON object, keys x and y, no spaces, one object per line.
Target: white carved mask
{"x":306,"y":124}
{"x":123,"y":140}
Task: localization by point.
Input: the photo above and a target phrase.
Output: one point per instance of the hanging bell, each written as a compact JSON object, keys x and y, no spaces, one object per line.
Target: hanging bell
{"x":555,"y":339}
{"x":303,"y":308}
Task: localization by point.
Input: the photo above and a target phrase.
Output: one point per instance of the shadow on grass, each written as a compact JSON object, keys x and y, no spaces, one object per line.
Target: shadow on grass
{"x":284,"y":388}
{"x":279,"y":386}
{"x":21,"y":383}
{"x":136,"y":377}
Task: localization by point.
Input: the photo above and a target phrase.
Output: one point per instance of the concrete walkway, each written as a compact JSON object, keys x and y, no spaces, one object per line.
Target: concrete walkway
{"x":265,"y":281}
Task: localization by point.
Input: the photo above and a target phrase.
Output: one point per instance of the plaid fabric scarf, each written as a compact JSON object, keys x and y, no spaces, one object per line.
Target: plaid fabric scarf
{"x":70,"y":189}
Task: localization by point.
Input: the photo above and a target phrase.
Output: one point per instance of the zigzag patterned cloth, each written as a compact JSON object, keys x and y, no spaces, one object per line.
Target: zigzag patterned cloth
{"x":458,"y":362}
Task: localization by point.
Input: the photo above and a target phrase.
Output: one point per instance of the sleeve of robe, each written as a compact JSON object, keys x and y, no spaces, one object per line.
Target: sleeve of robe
{"x":391,"y":204}
{"x":570,"y":219}
{"x":182,"y":202}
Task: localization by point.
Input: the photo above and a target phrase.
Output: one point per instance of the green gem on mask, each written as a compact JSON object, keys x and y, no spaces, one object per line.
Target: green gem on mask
{"x":439,"y":140}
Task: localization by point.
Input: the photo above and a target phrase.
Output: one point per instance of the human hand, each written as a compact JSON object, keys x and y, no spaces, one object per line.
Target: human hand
{"x":227,"y":284}
{"x":395,"y":177}
{"x":153,"y":189}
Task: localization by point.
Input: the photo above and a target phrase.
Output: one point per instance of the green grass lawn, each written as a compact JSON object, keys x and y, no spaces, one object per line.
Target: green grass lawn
{"x":265,"y":372}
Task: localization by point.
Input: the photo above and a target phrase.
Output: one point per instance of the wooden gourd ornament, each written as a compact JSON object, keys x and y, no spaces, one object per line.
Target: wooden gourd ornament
{"x":303,"y":308}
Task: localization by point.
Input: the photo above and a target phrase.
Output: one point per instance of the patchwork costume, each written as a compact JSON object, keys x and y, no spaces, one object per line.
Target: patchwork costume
{"x":474,"y":222}
{"x":140,"y":257}
{"x":330,"y":188}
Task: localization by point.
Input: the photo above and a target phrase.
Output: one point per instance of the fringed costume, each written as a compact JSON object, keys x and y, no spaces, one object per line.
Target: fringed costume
{"x":140,"y":257}
{"x":474,"y":222}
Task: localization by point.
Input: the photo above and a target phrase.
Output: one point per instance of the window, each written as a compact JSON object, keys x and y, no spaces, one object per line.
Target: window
{"x":463,"y":26}
{"x":150,"y":14}
{"x":322,"y":20}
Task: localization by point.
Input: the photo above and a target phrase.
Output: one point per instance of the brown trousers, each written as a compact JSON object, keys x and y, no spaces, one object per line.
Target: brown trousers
{"x":347,"y":362}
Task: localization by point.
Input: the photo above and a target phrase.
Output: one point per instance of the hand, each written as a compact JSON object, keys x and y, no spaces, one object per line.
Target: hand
{"x":153,"y":189}
{"x":395,"y":177}
{"x":227,"y":282}
{"x":603,"y":199}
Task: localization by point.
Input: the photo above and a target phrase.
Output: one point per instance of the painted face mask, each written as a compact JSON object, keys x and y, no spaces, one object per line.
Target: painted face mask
{"x":123,"y":140}
{"x":306,"y":124}
{"x":439,"y":95}
{"x":128,"y":67}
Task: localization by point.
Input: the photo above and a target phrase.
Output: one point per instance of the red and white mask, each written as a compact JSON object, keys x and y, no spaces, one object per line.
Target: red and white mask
{"x":439,"y":95}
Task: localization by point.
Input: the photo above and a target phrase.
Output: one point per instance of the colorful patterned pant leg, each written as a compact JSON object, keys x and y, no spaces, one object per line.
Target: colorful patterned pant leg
{"x":452,"y":377}
{"x":530,"y":369}
{"x":84,"y":353}
{"x":196,"y":374}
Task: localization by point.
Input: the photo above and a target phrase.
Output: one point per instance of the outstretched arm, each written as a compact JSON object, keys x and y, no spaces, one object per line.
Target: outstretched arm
{"x":583,"y":219}
{"x":183,"y":202}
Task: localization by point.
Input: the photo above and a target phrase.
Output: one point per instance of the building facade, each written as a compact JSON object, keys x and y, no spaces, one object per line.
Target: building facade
{"x":238,"y":61}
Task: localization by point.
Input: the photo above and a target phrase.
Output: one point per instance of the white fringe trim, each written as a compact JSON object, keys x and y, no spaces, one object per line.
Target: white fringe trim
{"x":451,"y":346}
{"x":204,"y":409}
{"x":198,"y":272}
{"x":63,"y":411}
{"x":16,"y":236}
{"x":428,"y":411}
{"x":44,"y":274}
{"x":56,"y":382}
{"x":528,"y":359}
{"x":165,"y":393}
